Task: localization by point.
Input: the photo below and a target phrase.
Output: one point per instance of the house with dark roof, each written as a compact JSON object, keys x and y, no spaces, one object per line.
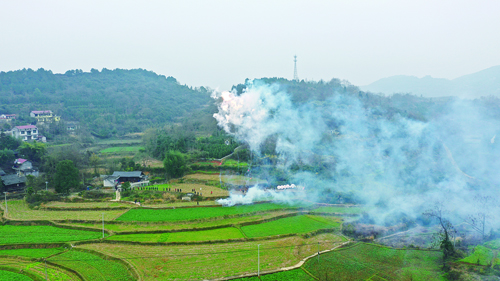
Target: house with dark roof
{"x":13,"y":182}
{"x":136,"y":178}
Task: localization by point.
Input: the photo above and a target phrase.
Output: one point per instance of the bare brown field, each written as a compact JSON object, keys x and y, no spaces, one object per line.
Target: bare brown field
{"x":232,"y":179}
{"x":85,"y":205}
{"x":206,"y":190}
{"x":180,"y":204}
{"x":198,"y":262}
{"x":18,"y":210}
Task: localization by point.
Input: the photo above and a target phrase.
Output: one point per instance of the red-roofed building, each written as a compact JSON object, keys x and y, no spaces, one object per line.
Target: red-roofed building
{"x":26,"y":133}
{"x":24,"y":167}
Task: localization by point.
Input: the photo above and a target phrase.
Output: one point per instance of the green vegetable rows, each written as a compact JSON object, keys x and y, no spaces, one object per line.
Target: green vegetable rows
{"x":92,"y":267}
{"x":182,"y":214}
{"x":13,"y":234}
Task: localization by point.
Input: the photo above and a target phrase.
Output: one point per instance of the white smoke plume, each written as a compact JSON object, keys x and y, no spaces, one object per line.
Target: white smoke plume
{"x":258,"y":193}
{"x":382,"y":159}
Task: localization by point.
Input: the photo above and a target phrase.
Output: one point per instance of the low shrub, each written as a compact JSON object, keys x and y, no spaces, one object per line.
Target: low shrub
{"x":94,"y":194}
{"x":34,"y":200}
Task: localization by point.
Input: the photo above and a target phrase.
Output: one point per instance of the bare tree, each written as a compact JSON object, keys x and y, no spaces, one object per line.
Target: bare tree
{"x":446,"y":233}
{"x":482,"y":213}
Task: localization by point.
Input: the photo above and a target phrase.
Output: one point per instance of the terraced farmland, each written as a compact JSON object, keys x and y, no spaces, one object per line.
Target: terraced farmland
{"x":93,"y":267}
{"x":121,"y":149}
{"x":36,"y":270}
{"x":290,"y":275}
{"x":290,"y":225}
{"x":19,"y":210}
{"x":31,"y":253}
{"x":13,"y":234}
{"x":12,"y":276}
{"x":182,"y":214}
{"x":209,"y":261}
{"x":188,"y":236}
{"x":364,"y":261}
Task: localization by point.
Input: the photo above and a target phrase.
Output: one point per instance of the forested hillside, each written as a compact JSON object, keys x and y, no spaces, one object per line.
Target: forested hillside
{"x":108,"y":102}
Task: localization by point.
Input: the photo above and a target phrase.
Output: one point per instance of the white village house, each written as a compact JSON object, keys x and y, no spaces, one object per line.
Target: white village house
{"x":27,"y":133}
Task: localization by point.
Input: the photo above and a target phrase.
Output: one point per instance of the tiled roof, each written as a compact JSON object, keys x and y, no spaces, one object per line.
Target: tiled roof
{"x":127,"y":174}
{"x":41,"y":111}
{"x":26,"y":127}
{"x":13,"y":179}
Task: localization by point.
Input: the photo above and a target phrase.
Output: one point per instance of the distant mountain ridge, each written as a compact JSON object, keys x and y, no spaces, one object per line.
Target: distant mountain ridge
{"x":482,"y":83}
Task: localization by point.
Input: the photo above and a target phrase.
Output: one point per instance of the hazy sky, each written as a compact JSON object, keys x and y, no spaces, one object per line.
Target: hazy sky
{"x":220,"y":43}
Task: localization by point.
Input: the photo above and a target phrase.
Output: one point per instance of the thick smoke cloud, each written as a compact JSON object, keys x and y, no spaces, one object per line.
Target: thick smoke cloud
{"x":385,"y":160}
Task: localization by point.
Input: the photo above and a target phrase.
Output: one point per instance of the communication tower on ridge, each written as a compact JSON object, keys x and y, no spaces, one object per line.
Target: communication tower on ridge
{"x":295,"y":76}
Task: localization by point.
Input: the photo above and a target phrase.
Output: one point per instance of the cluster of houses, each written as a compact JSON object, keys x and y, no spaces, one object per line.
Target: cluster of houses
{"x":17,"y":181}
{"x":32,"y":132}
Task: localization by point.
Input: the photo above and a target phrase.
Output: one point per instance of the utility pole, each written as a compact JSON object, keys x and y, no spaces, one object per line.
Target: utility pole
{"x":318,"y":252}
{"x":6,"y":208}
{"x":295,"y":75}
{"x":258,"y":260}
{"x":102,"y":225}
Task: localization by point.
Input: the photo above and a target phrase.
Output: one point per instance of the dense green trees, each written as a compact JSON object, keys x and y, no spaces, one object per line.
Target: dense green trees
{"x":33,"y":151}
{"x":109,"y":102}
{"x":66,"y":176}
{"x":175,"y":164}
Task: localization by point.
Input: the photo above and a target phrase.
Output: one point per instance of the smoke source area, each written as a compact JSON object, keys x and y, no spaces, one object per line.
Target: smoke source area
{"x":347,"y":146}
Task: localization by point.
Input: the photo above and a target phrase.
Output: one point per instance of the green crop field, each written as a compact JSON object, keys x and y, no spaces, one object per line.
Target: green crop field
{"x":295,"y":224}
{"x":12,"y":276}
{"x":215,"y":260}
{"x":296,"y":274}
{"x":12,"y":234}
{"x":183,"y":214}
{"x":92,"y":267}
{"x":37,"y":269}
{"x":290,"y":275}
{"x":121,"y":149}
{"x":186,"y":236}
{"x":31,"y":253}
{"x":19,"y":210}
{"x":185,"y":225}
{"x":365,"y":261}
